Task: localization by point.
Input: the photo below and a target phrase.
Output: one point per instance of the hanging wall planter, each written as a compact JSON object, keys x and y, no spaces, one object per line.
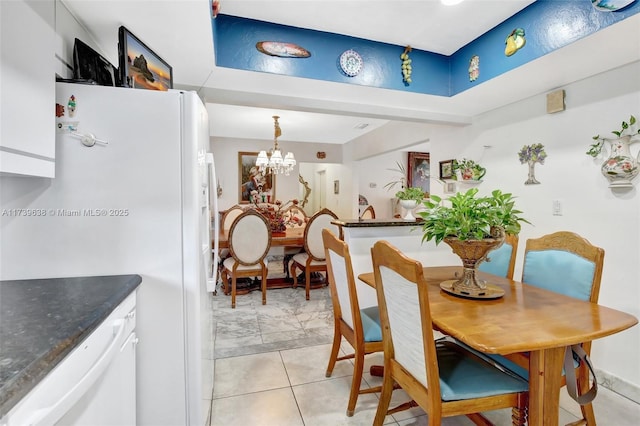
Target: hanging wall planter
{"x":620,"y":168}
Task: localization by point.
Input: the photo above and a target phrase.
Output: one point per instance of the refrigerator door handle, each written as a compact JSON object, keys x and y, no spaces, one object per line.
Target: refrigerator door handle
{"x":213,"y":279}
{"x":89,"y":139}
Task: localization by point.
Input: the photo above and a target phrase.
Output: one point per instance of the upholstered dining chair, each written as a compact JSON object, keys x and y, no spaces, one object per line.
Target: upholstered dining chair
{"x":566,"y":263}
{"x":227,"y":219}
{"x":312,"y":258}
{"x":368,"y":213}
{"x":441,"y":377}
{"x":295,"y":216}
{"x":502,"y":261}
{"x":359,"y":327}
{"x":249,"y":243}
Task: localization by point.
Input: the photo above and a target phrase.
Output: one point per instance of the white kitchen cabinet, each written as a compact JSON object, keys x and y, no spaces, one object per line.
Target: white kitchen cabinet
{"x":94,"y":385}
{"x":27,"y":87}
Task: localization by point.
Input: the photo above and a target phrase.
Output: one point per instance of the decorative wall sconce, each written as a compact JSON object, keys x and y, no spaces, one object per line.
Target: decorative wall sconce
{"x":620,"y":167}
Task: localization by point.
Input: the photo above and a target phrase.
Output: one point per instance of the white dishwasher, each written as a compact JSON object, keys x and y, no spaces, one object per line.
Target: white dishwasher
{"x":94,"y":385}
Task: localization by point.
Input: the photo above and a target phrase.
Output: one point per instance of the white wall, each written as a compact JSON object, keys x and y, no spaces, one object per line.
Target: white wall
{"x":376,"y":172}
{"x":67,"y":29}
{"x":225,"y":152}
{"x":606,"y":218}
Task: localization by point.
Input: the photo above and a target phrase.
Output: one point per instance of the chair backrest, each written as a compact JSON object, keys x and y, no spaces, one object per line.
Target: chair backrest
{"x":405,"y":315}
{"x":295,"y":216}
{"x":368,"y":213}
{"x":249,"y":238}
{"x":341,"y":281}
{"x":502,"y":261}
{"x":230,"y":215}
{"x":566,"y":263}
{"x":313,"y":232}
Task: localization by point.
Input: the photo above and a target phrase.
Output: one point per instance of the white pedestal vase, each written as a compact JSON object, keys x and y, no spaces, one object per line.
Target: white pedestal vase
{"x":409,"y":205}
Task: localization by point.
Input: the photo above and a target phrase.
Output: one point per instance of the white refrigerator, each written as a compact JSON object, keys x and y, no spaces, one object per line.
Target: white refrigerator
{"x":134,"y":193}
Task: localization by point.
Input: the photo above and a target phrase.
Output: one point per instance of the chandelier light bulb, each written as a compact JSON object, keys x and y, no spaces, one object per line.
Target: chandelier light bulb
{"x":273,"y":162}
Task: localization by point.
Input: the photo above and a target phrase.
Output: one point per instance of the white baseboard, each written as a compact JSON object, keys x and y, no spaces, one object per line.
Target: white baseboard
{"x":618,"y":385}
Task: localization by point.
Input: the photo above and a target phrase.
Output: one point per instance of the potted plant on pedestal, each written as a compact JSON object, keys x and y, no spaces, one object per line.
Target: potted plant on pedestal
{"x":409,"y":196}
{"x":472,"y":226}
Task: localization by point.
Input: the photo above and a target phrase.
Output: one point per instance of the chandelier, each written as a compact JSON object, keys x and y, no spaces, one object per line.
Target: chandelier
{"x":273,"y":162}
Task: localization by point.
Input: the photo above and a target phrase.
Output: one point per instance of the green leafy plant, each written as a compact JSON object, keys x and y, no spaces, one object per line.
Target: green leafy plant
{"x":469,"y":169}
{"x":596,"y":148}
{"x":412,"y":193}
{"x":406,"y":192}
{"x":470,"y":217}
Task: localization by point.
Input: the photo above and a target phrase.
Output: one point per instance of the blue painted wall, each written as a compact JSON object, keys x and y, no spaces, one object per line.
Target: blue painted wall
{"x":548,"y":25}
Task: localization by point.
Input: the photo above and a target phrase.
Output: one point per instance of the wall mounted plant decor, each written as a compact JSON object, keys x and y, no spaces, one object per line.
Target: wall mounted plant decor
{"x":532,"y":154}
{"x":469,"y":170}
{"x":620,"y":167}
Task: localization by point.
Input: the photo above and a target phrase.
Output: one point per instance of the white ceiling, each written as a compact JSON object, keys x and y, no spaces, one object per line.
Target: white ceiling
{"x":241,"y":103}
{"x":423,"y":24}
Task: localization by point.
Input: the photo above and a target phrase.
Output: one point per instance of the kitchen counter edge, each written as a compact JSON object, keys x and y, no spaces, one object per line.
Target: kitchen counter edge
{"x":22,"y":325}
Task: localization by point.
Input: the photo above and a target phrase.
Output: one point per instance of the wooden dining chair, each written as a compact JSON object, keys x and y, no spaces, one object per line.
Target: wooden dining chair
{"x":368,"y":213}
{"x":566,"y":263}
{"x":295,"y":216}
{"x":227,"y":219}
{"x":441,"y":377}
{"x":249,"y":243}
{"x":502,"y":261}
{"x":312,"y":258}
{"x":359,"y":327}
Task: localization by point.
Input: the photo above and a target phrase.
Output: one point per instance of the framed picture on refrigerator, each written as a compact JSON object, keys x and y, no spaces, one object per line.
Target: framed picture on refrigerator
{"x":254,"y":187}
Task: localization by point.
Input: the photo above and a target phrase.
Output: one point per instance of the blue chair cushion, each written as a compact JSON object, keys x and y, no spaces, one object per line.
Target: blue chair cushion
{"x":506,"y":363}
{"x":463,"y":375}
{"x":559,"y":271}
{"x":371,"y":324}
{"x":499,"y":261}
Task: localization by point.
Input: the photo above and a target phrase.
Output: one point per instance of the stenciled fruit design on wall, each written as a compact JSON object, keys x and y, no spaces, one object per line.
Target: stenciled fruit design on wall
{"x":406,"y":65}
{"x":474,"y":68}
{"x":514,"y":42}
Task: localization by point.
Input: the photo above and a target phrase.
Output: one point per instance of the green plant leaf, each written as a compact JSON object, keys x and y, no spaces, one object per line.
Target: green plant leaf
{"x":470,"y":217}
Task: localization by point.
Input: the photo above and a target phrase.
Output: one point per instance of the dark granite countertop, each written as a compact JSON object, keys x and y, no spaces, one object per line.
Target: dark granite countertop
{"x":43,"y":320}
{"x":376,"y":223}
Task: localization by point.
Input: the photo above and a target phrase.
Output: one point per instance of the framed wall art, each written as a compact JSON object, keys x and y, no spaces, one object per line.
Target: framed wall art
{"x":446,"y":170}
{"x":419,"y":171}
{"x":253,"y":187}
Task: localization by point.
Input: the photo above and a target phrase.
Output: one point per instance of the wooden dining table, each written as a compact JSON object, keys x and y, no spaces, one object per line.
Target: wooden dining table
{"x":292,"y":237}
{"x":525,"y":319}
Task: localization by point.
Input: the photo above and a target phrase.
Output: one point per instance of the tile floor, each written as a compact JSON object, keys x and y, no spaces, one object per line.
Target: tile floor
{"x":270,"y":364}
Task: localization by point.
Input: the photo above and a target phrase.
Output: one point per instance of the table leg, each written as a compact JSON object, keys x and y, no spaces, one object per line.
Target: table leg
{"x":545,"y":377}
